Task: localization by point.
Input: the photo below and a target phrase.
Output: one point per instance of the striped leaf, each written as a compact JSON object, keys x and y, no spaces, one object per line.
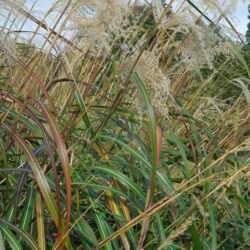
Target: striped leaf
{"x":40,"y":223}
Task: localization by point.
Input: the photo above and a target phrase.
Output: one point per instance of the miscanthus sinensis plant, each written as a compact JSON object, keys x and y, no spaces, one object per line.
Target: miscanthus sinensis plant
{"x":123,"y":125}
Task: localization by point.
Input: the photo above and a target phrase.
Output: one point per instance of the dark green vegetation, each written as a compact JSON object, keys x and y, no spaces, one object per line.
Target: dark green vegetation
{"x":247,"y":46}
{"x":95,"y":155}
{"x":248,"y":26}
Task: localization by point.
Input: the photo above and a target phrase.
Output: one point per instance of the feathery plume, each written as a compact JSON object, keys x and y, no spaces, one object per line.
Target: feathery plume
{"x":98,"y":21}
{"x":157,"y":84}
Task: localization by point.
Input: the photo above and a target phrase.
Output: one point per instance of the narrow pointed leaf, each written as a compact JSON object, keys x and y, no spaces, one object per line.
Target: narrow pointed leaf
{"x":40,"y":223}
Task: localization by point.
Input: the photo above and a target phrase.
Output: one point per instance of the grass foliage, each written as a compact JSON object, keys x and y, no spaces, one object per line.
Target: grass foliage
{"x":122,"y":127}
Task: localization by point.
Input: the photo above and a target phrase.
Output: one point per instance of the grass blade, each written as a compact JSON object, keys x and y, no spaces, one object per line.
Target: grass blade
{"x":85,"y":230}
{"x":123,"y":180}
{"x":63,"y":157}
{"x":25,"y":236}
{"x":155,"y":154}
{"x":212,"y":217}
{"x":1,"y":241}
{"x":10,"y":238}
{"x":38,"y":173}
{"x":40,"y":223}
{"x":27,"y":210}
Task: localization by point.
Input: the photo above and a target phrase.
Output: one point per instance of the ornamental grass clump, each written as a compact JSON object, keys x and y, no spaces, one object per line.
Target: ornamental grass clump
{"x":97,"y":23}
{"x":123,"y":125}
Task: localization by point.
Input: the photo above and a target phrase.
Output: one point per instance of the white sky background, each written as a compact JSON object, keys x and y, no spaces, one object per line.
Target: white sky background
{"x":241,"y":14}
{"x":238,"y":17}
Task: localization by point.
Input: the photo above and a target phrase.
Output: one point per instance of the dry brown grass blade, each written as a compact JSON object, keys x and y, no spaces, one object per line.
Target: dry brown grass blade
{"x":146,"y":221}
{"x":114,"y":206}
{"x":71,"y":67}
{"x":50,"y":152}
{"x":44,"y":26}
{"x":54,"y":127}
{"x":180,"y":191}
{"x":40,"y":223}
{"x":116,"y":211}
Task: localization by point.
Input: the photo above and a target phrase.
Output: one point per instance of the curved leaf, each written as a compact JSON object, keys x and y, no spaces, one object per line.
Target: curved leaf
{"x":122,"y":179}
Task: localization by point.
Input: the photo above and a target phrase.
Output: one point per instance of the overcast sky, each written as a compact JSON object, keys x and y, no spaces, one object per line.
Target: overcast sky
{"x":238,"y":17}
{"x":241,"y":14}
